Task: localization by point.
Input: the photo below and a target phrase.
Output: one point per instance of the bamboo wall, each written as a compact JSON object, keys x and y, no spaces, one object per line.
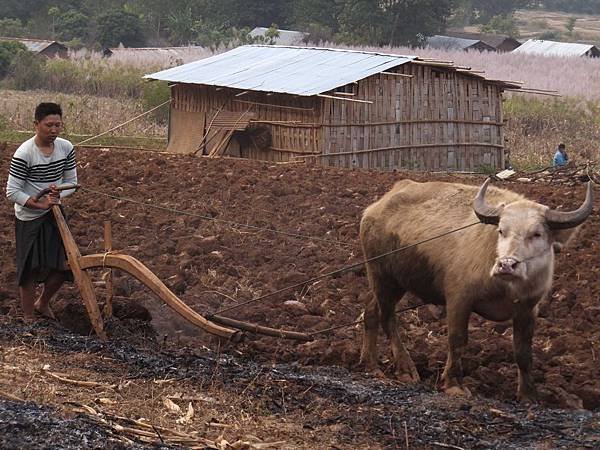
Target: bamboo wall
{"x":437,"y":120}
{"x":291,"y":120}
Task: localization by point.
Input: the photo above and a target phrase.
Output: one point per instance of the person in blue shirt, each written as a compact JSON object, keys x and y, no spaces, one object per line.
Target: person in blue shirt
{"x":560,"y":157}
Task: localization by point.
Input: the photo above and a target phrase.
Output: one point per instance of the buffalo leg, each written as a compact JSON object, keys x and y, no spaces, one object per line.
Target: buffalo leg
{"x":404,"y":366}
{"x":458,"y":329}
{"x":368,"y":354}
{"x":523,"y":326}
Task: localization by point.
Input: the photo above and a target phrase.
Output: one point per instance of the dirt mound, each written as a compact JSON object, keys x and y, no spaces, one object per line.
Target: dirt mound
{"x":213,"y":264}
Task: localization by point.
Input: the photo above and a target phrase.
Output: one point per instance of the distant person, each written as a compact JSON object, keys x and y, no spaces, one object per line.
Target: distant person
{"x":42,"y":162}
{"x":560,"y":157}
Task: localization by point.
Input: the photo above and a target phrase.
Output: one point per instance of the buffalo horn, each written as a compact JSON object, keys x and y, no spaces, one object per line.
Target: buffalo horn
{"x":485,"y":212}
{"x":560,"y":220}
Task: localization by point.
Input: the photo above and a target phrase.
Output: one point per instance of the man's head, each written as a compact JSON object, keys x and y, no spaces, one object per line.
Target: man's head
{"x":562,"y":148}
{"x":48,"y":122}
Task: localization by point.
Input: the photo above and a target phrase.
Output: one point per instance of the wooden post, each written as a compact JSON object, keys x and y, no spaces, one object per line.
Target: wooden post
{"x":108,"y":275}
{"x":81,"y":277}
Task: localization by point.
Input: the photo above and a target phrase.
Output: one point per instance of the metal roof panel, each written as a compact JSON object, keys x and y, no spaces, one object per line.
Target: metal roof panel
{"x":551,"y":48}
{"x":292,"y":70}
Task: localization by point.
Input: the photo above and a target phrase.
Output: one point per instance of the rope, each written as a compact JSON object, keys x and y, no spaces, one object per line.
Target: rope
{"x":344,"y":269}
{"x":123,"y":124}
{"x":337,"y":327}
{"x":214,"y":219}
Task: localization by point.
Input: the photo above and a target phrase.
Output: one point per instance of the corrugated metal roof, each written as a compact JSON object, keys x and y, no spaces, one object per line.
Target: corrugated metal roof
{"x":551,"y":48}
{"x":34,"y":45}
{"x":285,"y":37}
{"x":291,"y":70}
{"x":457,"y":43}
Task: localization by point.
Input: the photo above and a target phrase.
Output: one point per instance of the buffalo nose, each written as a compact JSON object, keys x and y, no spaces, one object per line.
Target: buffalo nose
{"x":507,"y":265}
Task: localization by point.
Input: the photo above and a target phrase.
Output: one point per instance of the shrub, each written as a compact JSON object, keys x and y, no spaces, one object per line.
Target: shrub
{"x":8,"y":52}
{"x":155,"y":93}
{"x":26,"y":71}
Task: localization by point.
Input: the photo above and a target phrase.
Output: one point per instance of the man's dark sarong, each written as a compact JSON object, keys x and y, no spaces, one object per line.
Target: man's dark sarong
{"x":40,"y":249}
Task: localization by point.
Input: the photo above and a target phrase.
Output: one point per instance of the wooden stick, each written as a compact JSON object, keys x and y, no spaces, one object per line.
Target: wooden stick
{"x":81,"y":277}
{"x":527,"y":91}
{"x":135,"y":268}
{"x":398,"y":74}
{"x":344,"y":93}
{"x":355,"y":100}
{"x":108,"y":275}
{"x":202,"y":143}
{"x":10,"y":396}
{"x":401,"y":122}
{"x":400,"y":147}
{"x":258,"y":329}
{"x":274,"y":106}
{"x":80,"y":383}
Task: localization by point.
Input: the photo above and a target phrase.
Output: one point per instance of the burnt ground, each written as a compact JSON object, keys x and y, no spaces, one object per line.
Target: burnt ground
{"x":266,"y":390}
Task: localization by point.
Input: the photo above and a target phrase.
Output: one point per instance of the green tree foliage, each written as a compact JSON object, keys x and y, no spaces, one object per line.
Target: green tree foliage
{"x":392,"y":22}
{"x":12,"y":28}
{"x":119,"y":26}
{"x":501,"y":24}
{"x":25,"y":71}
{"x":8,"y":52}
{"x":72,"y":25}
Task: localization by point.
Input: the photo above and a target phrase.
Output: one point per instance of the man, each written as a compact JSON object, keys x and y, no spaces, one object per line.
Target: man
{"x":560,"y":157}
{"x":41,"y":162}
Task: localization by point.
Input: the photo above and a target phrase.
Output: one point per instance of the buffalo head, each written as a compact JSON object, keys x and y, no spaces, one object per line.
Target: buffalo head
{"x":528,"y":233}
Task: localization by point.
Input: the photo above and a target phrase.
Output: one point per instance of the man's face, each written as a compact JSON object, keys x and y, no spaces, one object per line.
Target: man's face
{"x":561,"y":149}
{"x":49,"y":128}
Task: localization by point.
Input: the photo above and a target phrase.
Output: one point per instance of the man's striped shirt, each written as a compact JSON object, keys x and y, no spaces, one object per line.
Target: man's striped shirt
{"x":31,"y":171}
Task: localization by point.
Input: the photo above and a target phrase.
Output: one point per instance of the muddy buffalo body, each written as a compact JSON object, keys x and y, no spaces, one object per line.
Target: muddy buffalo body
{"x":499,"y":268}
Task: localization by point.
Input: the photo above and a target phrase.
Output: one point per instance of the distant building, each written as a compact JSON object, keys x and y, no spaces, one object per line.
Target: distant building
{"x":501,"y":42}
{"x":455,"y":43}
{"x":551,"y":48}
{"x":50,"y":49}
{"x":286,"y":37}
{"x":166,"y":52}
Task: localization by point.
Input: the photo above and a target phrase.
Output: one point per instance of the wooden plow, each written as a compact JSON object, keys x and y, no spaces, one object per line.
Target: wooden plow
{"x":216,"y":325}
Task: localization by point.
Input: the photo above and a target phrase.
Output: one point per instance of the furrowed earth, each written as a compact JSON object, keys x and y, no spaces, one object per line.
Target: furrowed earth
{"x":270,"y":392}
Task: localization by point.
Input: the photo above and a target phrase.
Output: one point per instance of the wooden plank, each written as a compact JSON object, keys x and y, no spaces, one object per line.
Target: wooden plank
{"x":81,"y":277}
{"x":135,"y":268}
{"x":108,"y":274}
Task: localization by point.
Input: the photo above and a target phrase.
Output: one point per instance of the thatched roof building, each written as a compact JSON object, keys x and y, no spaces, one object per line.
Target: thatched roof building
{"x":455,"y":43}
{"x":50,"y":49}
{"x":342,"y":107}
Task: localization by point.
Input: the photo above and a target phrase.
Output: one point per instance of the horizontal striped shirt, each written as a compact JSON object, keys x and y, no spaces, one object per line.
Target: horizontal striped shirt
{"x":31,"y":172}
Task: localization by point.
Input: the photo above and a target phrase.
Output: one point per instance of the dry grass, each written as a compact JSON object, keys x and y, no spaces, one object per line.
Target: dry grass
{"x":84,"y":115}
{"x":531,"y":23}
{"x":27,"y":372}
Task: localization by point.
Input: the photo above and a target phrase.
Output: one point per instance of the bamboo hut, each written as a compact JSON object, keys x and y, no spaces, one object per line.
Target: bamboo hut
{"x":341,"y":107}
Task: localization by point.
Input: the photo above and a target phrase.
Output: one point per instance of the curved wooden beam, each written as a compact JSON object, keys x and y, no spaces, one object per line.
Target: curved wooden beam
{"x":259,"y":329}
{"x":135,"y":268}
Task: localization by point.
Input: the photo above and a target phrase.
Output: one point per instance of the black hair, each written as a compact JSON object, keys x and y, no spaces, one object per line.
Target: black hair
{"x":46,"y":109}
{"x":561,"y":145}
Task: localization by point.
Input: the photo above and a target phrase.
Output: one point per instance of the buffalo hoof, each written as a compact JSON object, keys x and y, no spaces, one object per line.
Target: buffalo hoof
{"x":458,"y":391}
{"x":527,"y":398}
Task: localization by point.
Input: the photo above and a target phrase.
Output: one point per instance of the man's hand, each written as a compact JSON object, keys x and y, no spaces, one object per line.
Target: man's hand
{"x":46,"y":201}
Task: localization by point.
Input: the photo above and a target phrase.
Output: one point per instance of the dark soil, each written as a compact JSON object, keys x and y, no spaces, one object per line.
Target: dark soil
{"x":208,"y":263}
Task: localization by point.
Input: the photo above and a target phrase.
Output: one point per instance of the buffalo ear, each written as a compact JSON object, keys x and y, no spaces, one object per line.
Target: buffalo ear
{"x":562,"y":238}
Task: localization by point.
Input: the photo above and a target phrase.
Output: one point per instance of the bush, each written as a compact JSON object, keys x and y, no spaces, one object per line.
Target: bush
{"x":26,"y":71}
{"x":8,"y":52}
{"x":155,"y":93}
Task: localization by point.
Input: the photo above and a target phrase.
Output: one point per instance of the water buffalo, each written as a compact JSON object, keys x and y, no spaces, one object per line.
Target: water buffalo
{"x":499,"y":268}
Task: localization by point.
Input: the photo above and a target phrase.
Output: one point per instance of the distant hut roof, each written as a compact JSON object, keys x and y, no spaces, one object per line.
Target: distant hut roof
{"x":302,"y":71}
{"x":153,"y":51}
{"x":457,"y":43}
{"x":286,"y":37}
{"x":37,"y":45}
{"x":551,"y":48}
{"x":500,"y":42}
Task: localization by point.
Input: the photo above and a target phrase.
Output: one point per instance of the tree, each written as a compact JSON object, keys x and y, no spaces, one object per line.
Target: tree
{"x":392,"y":22}
{"x":180,"y":25}
{"x":12,"y":28}
{"x":115,"y":27}
{"x":72,"y":25}
{"x":8,"y":52}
